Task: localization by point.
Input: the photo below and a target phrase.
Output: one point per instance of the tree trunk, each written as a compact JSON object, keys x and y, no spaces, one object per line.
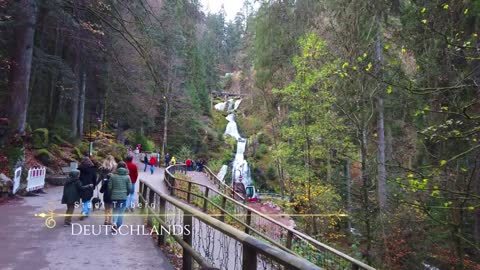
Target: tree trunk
{"x":348,"y":178}
{"x":22,"y":63}
{"x":382,"y":172}
{"x":74,"y":119}
{"x":165,"y":128}
{"x":81,"y":108}
{"x":365,"y":199}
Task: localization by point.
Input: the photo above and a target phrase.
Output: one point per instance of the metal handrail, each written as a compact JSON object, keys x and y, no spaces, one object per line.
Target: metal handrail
{"x":356,"y":264}
{"x":251,"y":245}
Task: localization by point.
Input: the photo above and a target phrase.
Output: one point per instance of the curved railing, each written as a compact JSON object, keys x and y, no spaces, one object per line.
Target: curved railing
{"x":254,"y":223}
{"x":208,"y":242}
{"x":226,"y":189}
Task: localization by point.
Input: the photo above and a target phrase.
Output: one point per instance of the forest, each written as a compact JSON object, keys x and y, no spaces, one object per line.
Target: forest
{"x":364,"y":116}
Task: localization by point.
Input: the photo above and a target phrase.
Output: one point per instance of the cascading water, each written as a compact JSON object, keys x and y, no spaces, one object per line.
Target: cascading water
{"x":240,"y":165}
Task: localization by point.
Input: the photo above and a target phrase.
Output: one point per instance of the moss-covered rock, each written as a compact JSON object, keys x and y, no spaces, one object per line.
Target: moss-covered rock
{"x":55,"y":138}
{"x":40,"y":138}
{"x":77,"y":153}
{"x":44,"y":156}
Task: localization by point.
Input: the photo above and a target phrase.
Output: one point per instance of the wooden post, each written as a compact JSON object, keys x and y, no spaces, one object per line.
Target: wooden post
{"x":189,"y":191}
{"x":248,"y":221}
{"x":289,"y":239}
{"x":224,"y":203}
{"x":161,"y":236}
{"x":151,"y":196}
{"x":249,"y":260}
{"x":144,"y":195}
{"x":205,"y":201}
{"x":172,"y":190}
{"x":187,"y":258}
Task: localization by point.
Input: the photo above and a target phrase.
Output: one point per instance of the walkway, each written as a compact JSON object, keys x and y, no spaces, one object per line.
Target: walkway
{"x":26,"y":242}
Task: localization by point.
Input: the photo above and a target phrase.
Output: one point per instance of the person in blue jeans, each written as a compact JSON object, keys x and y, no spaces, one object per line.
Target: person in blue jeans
{"x":119,"y":187}
{"x":88,"y":177}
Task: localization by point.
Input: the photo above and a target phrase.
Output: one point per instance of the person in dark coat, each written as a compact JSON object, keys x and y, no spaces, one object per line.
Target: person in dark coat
{"x":71,"y":194}
{"x":145,"y":160}
{"x":88,"y":175}
{"x":108,"y":167}
{"x":167,"y":160}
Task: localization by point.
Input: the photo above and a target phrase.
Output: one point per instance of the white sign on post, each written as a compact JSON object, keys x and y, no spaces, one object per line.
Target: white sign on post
{"x":16,"y":181}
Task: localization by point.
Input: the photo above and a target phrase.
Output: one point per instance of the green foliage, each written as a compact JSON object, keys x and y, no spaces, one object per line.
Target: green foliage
{"x":78,"y":154}
{"x":44,"y":156}
{"x":147,"y":145}
{"x":184,"y":153}
{"x":40,"y":138}
{"x":261,"y":151}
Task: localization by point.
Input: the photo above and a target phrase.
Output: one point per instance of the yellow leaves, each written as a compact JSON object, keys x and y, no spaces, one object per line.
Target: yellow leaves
{"x":410,"y":175}
{"x":354,"y":68}
{"x":424,"y":21}
{"x":375,"y":135}
{"x":444,"y":108}
{"x":389,"y":89}
{"x":344,"y":65}
{"x":369,"y":67}
{"x":404,"y":50}
{"x":465,"y":11}
{"x":364,"y":55}
{"x":423,"y":10}
{"x":471,"y":208}
{"x":475,"y":35}
{"x":386,"y":47}
{"x":443,"y":162}
{"x":445,"y":6}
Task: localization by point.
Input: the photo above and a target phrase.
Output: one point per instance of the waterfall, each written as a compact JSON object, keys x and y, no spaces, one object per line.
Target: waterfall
{"x":240,"y":165}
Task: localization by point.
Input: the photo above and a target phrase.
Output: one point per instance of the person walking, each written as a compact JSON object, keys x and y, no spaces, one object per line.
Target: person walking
{"x":107,"y":168}
{"x":167,"y":160}
{"x":119,"y":188}
{"x":88,"y":175}
{"x":145,"y":161}
{"x":153,"y":161}
{"x":71,"y":194}
{"x":188,"y":163}
{"x":173,"y":161}
{"x":133,"y":173}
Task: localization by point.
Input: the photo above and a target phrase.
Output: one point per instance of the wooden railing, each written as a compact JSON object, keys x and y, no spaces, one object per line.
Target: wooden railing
{"x":254,"y":223}
{"x":200,"y":249}
{"x":224,"y":188}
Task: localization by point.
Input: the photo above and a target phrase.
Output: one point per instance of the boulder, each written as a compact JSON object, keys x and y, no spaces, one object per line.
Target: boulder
{"x":56,"y":180}
{"x":5,"y":181}
{"x":44,"y":156}
{"x":40,"y":138}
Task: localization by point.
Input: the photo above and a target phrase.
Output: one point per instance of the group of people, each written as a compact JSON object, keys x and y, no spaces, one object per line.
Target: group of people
{"x":117,"y":185}
{"x":154,"y":158}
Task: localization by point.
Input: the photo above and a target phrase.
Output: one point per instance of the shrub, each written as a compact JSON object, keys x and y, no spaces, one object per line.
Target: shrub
{"x":77,"y":153}
{"x":147,"y":145}
{"x":271,"y":174}
{"x":261,"y":151}
{"x":44,"y":156}
{"x":40,"y":138}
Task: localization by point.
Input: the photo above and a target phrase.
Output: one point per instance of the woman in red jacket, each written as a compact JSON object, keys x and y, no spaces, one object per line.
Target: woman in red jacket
{"x":153,"y":161}
{"x":133,"y":173}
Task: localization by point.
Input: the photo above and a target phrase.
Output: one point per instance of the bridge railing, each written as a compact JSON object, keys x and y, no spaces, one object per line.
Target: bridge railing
{"x":207,"y":242}
{"x":256,"y":224}
{"x":226,"y":189}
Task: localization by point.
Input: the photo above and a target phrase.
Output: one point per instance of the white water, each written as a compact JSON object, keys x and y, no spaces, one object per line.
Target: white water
{"x":240,"y":165}
{"x":223,"y":171}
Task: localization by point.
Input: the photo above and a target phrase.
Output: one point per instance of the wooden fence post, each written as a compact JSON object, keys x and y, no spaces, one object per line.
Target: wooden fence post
{"x":224,"y":203}
{"x":162,"y":212}
{"x":187,"y":258}
{"x":249,"y":260}
{"x":205,"y":200}
{"x":248,"y":221}
{"x":189,"y":191}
